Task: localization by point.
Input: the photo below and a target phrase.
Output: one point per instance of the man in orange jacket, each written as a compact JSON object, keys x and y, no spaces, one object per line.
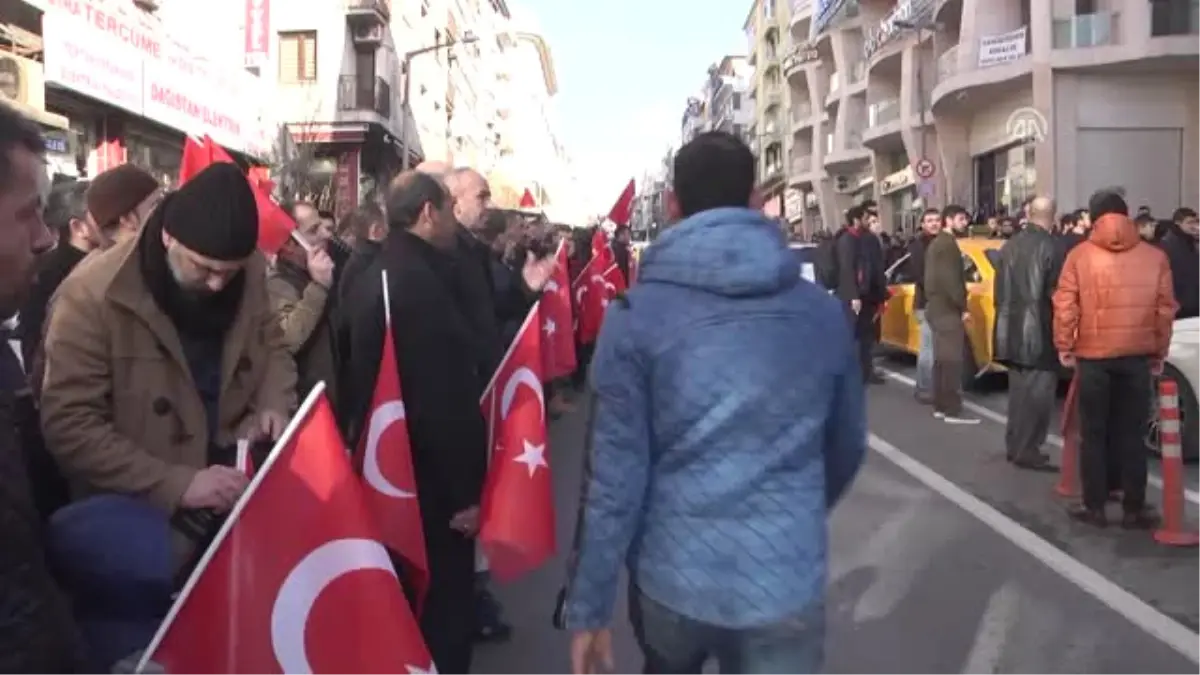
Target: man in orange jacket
{"x":1113,"y":311}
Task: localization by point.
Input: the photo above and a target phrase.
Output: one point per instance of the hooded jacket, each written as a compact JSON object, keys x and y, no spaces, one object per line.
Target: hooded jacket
{"x":728,"y":418}
{"x":1180,"y":248}
{"x":1114,"y":296}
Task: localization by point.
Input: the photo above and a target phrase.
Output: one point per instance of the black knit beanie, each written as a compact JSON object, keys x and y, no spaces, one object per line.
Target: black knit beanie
{"x":214,"y":214}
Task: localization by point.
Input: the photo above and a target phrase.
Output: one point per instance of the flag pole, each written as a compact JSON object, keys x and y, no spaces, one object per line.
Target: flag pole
{"x":299,"y":418}
{"x":387,"y":304}
{"x":508,"y":352}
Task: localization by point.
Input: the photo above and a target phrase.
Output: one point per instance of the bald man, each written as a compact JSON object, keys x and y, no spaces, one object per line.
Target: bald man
{"x":1024,"y":341}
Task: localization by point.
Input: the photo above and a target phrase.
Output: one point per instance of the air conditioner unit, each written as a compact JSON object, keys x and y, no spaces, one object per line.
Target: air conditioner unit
{"x":367,"y":33}
{"x":22,"y":81}
{"x":842,"y":184}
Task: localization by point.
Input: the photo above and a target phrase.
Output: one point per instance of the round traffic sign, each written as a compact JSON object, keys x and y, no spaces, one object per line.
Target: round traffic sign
{"x":924,"y":168}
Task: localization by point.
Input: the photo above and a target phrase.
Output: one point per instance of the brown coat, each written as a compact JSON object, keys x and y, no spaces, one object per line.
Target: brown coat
{"x":1114,"y":296}
{"x":119,"y":409}
{"x":300,"y":306}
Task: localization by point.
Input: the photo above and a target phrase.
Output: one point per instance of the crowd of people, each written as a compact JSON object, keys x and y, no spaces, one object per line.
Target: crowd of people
{"x":149,"y":335}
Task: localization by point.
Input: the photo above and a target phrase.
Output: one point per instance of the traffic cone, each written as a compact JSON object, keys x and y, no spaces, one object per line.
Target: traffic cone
{"x":1068,"y":470}
{"x":1173,"y":531}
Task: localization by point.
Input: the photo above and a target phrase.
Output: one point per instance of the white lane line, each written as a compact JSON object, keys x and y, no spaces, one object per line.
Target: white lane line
{"x":998,"y":621}
{"x":1053,"y":439}
{"x":1172,"y":633}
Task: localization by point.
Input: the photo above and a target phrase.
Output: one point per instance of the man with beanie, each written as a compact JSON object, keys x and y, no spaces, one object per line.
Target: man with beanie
{"x":1113,"y":314}
{"x":301,"y":289}
{"x":120,"y":200}
{"x":161,"y":353}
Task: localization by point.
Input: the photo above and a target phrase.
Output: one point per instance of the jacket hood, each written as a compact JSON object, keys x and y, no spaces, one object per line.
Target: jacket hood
{"x":1114,"y":232}
{"x":727,"y":251}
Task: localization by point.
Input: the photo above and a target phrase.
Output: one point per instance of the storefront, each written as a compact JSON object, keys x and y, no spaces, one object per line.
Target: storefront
{"x":133,"y":93}
{"x":1005,"y":178}
{"x":899,"y":201}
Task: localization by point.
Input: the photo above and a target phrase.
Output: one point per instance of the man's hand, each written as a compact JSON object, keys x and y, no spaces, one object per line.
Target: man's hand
{"x":1067,"y":359}
{"x":856,"y":305}
{"x":1156,"y":367}
{"x":216,"y":487}
{"x":538,"y":272}
{"x":966,"y":317}
{"x":266,"y":425}
{"x":320,"y":267}
{"x":466,"y":521}
{"x":592,"y":650}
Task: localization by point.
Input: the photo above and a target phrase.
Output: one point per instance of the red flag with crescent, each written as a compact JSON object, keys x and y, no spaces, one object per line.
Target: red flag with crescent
{"x":384,"y":460}
{"x":622,"y":209}
{"x":527,"y":200}
{"x":516,"y":517}
{"x":558,"y":340}
{"x":298,"y":579}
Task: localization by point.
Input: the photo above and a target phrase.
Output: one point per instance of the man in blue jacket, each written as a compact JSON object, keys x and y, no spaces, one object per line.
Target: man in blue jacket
{"x":728,"y":420}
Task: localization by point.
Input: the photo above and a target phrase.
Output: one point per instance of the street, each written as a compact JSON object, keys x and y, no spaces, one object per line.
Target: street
{"x":943,"y":559}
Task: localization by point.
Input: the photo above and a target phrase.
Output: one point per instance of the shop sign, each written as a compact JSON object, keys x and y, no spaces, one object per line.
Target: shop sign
{"x":995,"y":50}
{"x":897,"y":181}
{"x":345,"y":183}
{"x":113,"y":56}
{"x":57,"y":143}
{"x":907,"y":12}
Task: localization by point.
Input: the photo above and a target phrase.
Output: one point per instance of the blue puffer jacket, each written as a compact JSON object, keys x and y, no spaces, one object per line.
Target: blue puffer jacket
{"x":729,"y":418}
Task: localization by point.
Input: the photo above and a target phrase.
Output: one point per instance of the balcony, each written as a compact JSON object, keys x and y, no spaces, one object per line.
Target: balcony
{"x":773,"y":97}
{"x":802,"y":115}
{"x":802,"y":164}
{"x":835,"y":82}
{"x":1174,"y":17}
{"x":1085,"y":30}
{"x":363,"y":95}
{"x":381,"y":9}
{"x":883,"y":112}
{"x":947,"y":64}
{"x":858,"y":73}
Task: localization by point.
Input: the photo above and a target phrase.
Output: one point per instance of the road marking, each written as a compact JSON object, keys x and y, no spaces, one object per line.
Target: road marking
{"x":1172,"y":633}
{"x":1053,"y":439}
{"x":998,"y":620}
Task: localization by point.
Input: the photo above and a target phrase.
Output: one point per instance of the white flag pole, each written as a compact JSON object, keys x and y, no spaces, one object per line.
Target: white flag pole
{"x":508,"y":352}
{"x":289,"y":431}
{"x":387,"y":304}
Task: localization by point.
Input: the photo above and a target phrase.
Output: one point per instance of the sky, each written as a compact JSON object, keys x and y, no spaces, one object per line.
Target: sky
{"x":625,"y":71}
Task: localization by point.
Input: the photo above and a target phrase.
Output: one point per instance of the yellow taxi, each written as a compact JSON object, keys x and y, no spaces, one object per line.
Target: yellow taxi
{"x":898,"y":324}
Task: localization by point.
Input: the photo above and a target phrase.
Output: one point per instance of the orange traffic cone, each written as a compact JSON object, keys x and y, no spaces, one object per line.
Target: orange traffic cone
{"x":1174,"y":531}
{"x":1068,"y":470}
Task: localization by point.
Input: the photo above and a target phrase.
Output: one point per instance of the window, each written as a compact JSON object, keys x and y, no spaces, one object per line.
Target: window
{"x":971,"y":270}
{"x":737,"y":100}
{"x":297,"y":56}
{"x":901,"y":272}
{"x":993,"y":257}
{"x":364,"y":78}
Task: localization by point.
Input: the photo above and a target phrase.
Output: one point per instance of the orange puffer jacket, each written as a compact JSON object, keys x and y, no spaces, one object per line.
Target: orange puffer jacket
{"x":1114,"y":296}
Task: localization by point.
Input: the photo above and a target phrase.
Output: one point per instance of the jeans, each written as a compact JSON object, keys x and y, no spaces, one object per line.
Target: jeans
{"x":924,"y":356}
{"x":673,"y":643}
{"x":1114,"y":403}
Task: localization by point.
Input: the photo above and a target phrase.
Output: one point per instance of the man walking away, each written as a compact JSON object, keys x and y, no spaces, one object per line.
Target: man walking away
{"x":855,"y":287}
{"x":1113,"y":311}
{"x":946,"y":312}
{"x":1180,"y":246}
{"x":1024,"y":334}
{"x":931,"y":224}
{"x":717,"y":447}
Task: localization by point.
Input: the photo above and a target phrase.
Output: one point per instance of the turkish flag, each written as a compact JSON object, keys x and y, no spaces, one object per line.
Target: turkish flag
{"x":384,"y":460}
{"x":558,"y":342}
{"x":622,"y":209}
{"x":527,"y":200}
{"x":614,"y":282}
{"x":517,"y":512}
{"x":274,"y":225}
{"x":297,"y":580}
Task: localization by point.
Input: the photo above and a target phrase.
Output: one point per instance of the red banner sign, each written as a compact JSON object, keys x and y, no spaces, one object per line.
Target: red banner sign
{"x":258,"y":32}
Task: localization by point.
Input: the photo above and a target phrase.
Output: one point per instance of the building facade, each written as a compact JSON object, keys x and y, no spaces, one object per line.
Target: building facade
{"x":985,"y":102}
{"x":767,"y":41}
{"x":729,"y":107}
{"x":115,"y":81}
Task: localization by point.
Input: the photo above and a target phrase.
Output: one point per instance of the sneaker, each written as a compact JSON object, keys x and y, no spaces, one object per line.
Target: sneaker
{"x":959,"y":419}
{"x":939,"y":415}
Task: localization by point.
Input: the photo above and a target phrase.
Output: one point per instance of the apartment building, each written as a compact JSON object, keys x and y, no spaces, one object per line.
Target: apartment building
{"x":729,"y":96}
{"x":985,"y":102}
{"x":766,"y":29}
{"x":695,"y":118}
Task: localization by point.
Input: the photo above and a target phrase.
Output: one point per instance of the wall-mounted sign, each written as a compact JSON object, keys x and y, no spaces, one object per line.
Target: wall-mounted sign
{"x":907,"y":13}
{"x":998,"y":49}
{"x":802,"y":54}
{"x":896,"y":181}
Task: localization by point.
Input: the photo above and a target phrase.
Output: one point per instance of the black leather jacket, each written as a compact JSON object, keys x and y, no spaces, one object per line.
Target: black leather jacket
{"x":1025,"y":279}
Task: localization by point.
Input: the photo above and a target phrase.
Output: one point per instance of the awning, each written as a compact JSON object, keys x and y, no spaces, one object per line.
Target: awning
{"x":46,"y":119}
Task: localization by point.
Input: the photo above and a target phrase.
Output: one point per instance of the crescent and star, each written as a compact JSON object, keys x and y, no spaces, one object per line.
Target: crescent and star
{"x":533,"y":456}
{"x":387,"y":414}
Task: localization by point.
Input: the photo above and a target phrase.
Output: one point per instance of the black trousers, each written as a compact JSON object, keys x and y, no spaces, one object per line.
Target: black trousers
{"x":1030,"y":407}
{"x":449,"y":616}
{"x":864,"y":327}
{"x":1114,"y":407}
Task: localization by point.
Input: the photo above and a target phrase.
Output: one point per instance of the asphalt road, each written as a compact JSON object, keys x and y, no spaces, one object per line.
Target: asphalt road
{"x":942,"y":560}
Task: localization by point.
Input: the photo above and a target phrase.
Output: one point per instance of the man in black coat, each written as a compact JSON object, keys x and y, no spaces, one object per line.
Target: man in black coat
{"x":1024,"y":342}
{"x":860,"y":284}
{"x":1179,"y":243}
{"x":434,"y":342}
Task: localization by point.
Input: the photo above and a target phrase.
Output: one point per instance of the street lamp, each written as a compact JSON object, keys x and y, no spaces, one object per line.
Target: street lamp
{"x":406,"y":68}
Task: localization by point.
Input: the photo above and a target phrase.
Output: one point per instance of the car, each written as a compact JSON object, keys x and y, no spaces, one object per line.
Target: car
{"x":1183,"y":368}
{"x":898,"y":329}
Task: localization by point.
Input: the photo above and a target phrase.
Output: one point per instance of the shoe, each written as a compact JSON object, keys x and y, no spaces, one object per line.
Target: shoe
{"x":1041,"y":463}
{"x":489,"y":626}
{"x":1145,"y":519}
{"x":939,"y":415}
{"x":959,"y":419}
{"x":1093,"y":517}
